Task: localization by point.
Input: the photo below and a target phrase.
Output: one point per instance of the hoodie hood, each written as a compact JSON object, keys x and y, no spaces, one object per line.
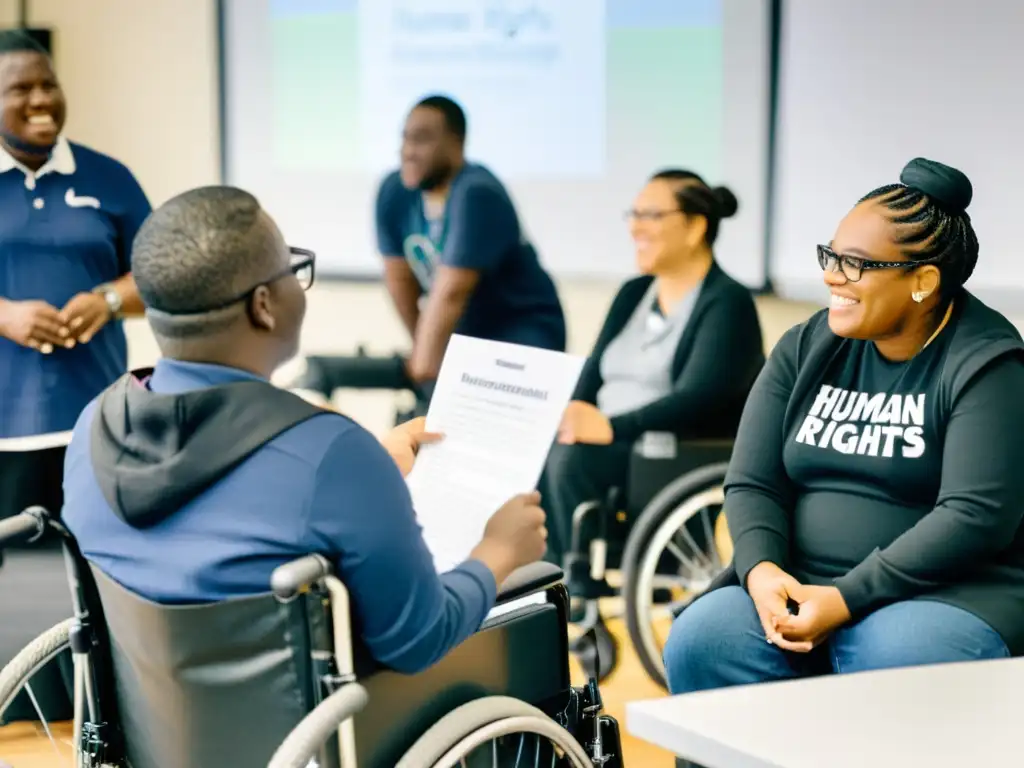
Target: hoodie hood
{"x":153,"y":453}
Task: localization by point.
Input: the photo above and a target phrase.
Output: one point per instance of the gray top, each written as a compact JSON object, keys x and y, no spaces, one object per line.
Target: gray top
{"x":636,"y":366}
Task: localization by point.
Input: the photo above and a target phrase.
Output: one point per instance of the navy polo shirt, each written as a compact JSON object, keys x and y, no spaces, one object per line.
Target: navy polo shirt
{"x":515,"y":300}
{"x":64,"y":229}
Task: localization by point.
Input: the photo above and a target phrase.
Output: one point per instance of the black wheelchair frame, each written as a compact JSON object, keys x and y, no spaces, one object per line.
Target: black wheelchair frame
{"x":334,"y":685}
{"x":326,"y":373}
{"x":665,"y":471}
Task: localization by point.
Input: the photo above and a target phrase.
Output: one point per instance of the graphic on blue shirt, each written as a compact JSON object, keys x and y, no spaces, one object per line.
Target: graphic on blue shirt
{"x":423,"y":249}
{"x":515,"y":299}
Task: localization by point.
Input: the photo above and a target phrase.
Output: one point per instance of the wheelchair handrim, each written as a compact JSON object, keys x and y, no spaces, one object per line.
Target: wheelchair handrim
{"x":649,"y":564}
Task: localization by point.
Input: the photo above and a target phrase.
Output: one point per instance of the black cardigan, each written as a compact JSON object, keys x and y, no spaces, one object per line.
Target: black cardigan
{"x":716,"y":362}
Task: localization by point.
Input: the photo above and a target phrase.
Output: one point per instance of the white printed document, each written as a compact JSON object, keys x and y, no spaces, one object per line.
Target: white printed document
{"x":499,"y":406}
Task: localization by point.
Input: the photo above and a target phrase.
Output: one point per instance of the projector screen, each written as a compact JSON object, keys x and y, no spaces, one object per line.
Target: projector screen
{"x":865,"y":87}
{"x":573,"y":103}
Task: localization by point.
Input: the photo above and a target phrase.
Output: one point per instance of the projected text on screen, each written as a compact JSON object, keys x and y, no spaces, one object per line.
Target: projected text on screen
{"x":542,"y":57}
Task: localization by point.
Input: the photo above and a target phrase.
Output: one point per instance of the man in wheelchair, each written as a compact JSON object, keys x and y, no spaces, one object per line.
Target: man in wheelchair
{"x":190,"y":488}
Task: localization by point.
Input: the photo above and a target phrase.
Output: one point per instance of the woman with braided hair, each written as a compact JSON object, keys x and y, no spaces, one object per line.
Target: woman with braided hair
{"x":875,"y":493}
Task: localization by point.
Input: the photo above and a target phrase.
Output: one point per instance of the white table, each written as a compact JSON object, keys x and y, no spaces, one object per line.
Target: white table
{"x":943,"y":716}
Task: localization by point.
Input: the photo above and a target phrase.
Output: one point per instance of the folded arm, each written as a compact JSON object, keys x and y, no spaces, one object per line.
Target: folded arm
{"x":980,"y":503}
{"x":135,"y":209}
{"x":409,"y":616}
{"x":449,"y":294}
{"x":759,"y":497}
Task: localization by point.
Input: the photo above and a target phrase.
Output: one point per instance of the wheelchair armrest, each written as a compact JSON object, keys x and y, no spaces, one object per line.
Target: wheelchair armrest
{"x":528,"y":580}
{"x":290,"y":579}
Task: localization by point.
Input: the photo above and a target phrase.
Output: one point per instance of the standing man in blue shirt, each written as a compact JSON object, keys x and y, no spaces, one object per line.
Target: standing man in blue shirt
{"x":193,"y":484}
{"x":456,"y":258}
{"x":68,"y":216}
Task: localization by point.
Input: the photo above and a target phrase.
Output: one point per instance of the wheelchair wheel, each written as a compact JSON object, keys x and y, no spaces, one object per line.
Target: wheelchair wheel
{"x":678,"y":544}
{"x":496,"y":731}
{"x":33,"y":657}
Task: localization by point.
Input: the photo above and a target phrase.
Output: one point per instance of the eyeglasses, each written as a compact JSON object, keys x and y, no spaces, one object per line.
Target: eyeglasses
{"x":635,"y":215}
{"x":302,"y":264}
{"x":853,"y":267}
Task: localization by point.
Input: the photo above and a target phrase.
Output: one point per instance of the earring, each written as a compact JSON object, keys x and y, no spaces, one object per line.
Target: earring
{"x":919,"y":296}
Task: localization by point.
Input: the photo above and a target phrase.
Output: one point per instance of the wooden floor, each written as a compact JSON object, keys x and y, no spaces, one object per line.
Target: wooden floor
{"x":25,"y":746}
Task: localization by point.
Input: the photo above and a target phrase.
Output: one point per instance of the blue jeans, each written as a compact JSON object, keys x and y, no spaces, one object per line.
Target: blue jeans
{"x":718,"y":641}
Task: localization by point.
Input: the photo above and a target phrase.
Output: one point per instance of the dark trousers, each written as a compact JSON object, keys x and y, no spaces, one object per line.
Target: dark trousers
{"x":34,"y":592}
{"x":575,"y":474}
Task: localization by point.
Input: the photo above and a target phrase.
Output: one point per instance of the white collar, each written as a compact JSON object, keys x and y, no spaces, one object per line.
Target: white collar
{"x":62,"y":160}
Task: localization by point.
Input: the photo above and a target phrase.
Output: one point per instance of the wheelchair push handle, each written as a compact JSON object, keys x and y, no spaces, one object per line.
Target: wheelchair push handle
{"x":25,"y":527}
{"x":292,"y":578}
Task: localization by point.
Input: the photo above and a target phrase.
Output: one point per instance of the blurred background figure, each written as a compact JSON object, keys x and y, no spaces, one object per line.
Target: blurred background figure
{"x":456,"y":260}
{"x":678,"y":352}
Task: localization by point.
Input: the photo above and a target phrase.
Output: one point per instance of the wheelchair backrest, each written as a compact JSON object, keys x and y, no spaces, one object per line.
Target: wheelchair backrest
{"x":204,"y":686}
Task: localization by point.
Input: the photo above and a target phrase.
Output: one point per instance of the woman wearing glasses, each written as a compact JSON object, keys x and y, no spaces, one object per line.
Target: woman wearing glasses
{"x":875,"y":492}
{"x":678,"y":353}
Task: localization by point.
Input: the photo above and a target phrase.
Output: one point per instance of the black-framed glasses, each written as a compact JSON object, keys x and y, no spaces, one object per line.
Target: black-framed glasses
{"x":301,"y":263}
{"x":853,"y":267}
{"x":635,"y":215}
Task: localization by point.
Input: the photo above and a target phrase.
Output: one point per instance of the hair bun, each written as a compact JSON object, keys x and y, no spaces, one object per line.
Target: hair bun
{"x":947,"y":186}
{"x":726,"y":200}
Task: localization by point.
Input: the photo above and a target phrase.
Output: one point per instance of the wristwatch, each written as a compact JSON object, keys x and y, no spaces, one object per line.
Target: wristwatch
{"x":112,"y":297}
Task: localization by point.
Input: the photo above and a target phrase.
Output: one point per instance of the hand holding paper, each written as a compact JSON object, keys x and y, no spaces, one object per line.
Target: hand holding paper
{"x":499,"y":406}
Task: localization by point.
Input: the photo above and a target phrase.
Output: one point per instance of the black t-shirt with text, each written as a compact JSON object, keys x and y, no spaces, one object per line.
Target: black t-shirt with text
{"x":868,"y":436}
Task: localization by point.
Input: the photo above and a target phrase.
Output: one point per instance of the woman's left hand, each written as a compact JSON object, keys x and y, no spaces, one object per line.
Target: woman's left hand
{"x":403,"y":442}
{"x":822,"y":610}
{"x":584,"y":423}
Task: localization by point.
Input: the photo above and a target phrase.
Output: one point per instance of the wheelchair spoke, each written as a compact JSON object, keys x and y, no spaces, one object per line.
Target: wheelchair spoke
{"x":698,"y":551}
{"x":709,"y":537}
{"x":42,"y":718}
{"x":697,"y":571}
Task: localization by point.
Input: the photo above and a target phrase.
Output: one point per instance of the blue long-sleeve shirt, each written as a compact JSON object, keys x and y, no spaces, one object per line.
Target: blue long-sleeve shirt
{"x":325,"y":485}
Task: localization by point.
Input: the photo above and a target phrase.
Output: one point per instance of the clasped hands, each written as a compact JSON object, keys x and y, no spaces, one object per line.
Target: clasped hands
{"x":820,"y":609}
{"x":40,"y":326}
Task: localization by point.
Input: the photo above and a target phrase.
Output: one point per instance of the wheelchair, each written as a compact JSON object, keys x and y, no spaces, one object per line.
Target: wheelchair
{"x":665,"y":537}
{"x":323,"y":375}
{"x":278,"y":679}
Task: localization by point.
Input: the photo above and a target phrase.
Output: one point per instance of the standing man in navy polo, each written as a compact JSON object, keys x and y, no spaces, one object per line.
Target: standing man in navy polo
{"x":456,"y":258}
{"x":68,"y":216}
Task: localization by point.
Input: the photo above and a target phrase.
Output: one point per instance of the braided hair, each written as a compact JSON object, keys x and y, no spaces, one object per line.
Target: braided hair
{"x":696,"y":198}
{"x":930,"y":206}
